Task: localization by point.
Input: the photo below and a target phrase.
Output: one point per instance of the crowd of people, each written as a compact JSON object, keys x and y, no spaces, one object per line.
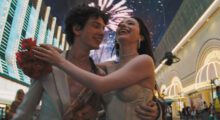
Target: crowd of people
{"x":207,"y":112}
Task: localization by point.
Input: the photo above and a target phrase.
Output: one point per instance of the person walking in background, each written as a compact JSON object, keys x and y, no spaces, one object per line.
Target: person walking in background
{"x":211,"y":111}
{"x":186,"y":112}
{"x":14,"y":105}
{"x":204,"y":114}
{"x":193,"y":113}
{"x":19,"y":95}
{"x":206,"y":108}
{"x":169,"y":112}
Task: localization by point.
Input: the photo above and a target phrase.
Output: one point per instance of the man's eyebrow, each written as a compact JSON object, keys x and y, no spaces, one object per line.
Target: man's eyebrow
{"x":96,"y":22}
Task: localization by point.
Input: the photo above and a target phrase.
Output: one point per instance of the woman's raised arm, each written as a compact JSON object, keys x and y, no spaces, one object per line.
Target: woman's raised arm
{"x":138,"y":69}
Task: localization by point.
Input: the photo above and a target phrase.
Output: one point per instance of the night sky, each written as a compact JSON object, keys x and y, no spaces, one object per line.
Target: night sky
{"x":157,"y":14}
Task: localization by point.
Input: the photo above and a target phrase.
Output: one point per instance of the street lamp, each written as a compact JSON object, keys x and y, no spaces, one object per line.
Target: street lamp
{"x":170,"y":58}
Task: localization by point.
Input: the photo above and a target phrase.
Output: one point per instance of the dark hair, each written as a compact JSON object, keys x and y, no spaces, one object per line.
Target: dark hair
{"x":217,"y":88}
{"x":79,"y":16}
{"x":145,"y":45}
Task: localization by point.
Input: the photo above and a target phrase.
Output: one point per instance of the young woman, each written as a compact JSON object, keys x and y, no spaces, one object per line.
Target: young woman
{"x":129,"y":82}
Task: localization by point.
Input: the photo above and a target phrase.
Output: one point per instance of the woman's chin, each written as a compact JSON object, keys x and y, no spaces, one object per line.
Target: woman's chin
{"x":122,"y":37}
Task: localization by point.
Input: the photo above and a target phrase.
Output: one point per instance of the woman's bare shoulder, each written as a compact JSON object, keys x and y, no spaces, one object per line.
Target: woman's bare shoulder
{"x":141,"y":61}
{"x":144,"y":58}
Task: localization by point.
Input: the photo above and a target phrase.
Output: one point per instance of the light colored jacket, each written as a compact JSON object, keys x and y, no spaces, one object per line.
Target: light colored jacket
{"x":53,"y":91}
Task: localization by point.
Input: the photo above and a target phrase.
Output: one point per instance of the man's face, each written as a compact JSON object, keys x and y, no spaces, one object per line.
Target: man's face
{"x":93,"y":32}
{"x":20,"y":95}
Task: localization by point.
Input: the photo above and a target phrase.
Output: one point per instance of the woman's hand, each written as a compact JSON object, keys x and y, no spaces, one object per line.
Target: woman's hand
{"x":48,"y":53}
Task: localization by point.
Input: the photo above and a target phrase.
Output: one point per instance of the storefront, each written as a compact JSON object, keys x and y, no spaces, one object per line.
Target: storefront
{"x":189,"y":81}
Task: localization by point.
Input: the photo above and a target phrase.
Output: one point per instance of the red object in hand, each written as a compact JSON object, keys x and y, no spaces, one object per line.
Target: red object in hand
{"x":30,"y":65}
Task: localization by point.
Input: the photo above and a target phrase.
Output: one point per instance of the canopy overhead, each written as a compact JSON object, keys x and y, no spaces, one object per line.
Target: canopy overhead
{"x":206,"y":73}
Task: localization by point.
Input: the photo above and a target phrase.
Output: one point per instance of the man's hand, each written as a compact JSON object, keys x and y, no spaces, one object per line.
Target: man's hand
{"x":87,"y":113}
{"x":58,"y":49}
{"x":148,"y":111}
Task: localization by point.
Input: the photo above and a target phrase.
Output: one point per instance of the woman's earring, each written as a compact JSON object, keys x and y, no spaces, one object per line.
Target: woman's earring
{"x":139,"y":44}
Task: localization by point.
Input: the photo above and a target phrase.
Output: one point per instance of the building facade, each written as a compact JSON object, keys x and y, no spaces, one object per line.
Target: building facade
{"x":21,"y":19}
{"x":192,"y":80}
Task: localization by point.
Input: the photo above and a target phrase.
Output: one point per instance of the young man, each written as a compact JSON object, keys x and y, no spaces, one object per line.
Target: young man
{"x":84,"y":32}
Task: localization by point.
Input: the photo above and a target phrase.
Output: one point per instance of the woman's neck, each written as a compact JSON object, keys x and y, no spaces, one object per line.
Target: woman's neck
{"x":127,"y":54}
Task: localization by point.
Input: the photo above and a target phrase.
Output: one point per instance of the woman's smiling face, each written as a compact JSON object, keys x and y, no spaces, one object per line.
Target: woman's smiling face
{"x":128,"y":29}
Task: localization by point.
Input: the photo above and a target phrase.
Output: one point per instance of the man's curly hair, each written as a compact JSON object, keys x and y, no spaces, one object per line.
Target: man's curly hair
{"x":79,"y":16}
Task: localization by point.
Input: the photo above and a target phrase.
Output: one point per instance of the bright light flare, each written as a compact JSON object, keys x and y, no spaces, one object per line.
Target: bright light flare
{"x":116,"y":11}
